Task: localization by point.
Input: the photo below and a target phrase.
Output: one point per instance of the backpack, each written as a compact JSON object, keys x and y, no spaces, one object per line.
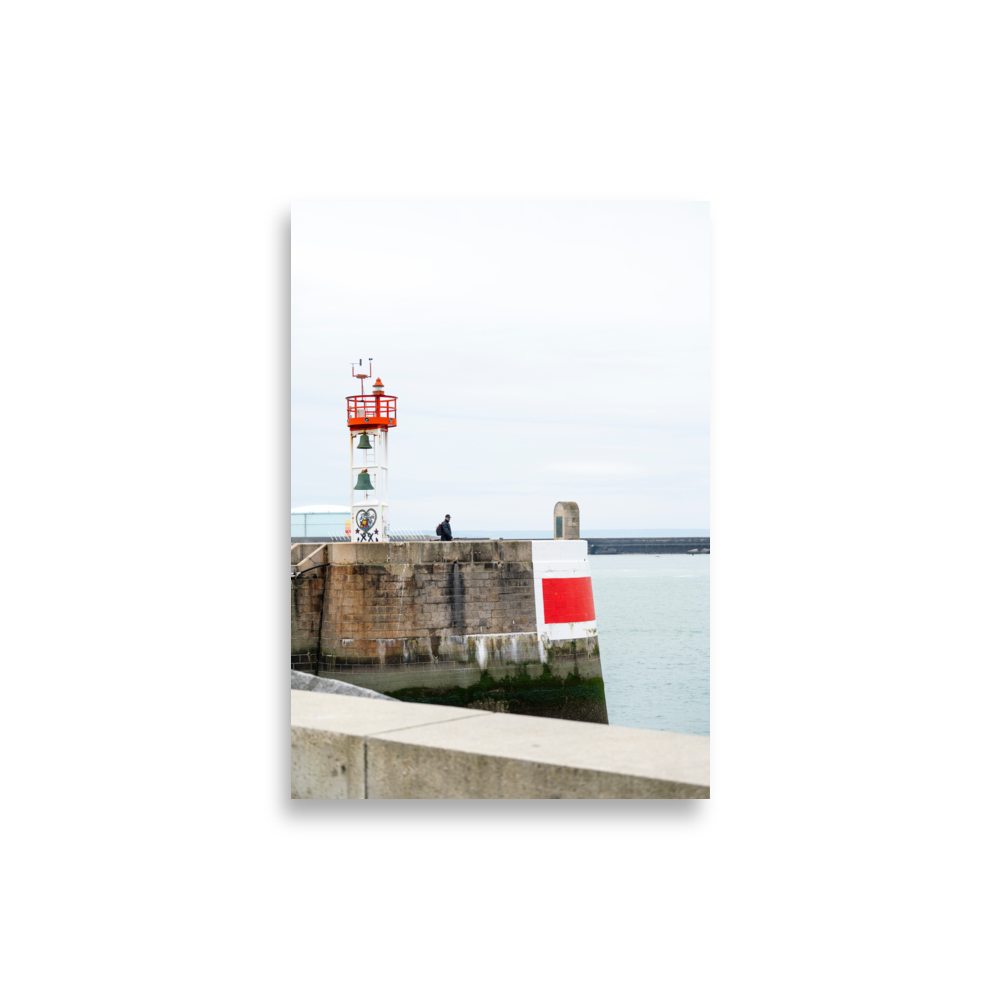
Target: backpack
{"x":437,"y":531}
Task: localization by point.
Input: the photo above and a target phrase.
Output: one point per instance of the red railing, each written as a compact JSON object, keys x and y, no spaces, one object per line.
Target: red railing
{"x":371,"y":409}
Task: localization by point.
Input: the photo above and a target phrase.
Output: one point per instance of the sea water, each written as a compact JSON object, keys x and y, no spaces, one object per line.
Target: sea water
{"x":652,"y":622}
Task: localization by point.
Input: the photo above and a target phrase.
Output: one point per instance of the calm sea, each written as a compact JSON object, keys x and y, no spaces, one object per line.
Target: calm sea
{"x":652,"y":621}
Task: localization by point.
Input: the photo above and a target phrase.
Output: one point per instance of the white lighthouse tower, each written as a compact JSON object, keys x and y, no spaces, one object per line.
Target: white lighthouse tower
{"x":369,"y":418}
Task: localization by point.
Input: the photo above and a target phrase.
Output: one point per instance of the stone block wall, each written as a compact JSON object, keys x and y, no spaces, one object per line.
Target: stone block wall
{"x":308,"y":593}
{"x":389,"y":592}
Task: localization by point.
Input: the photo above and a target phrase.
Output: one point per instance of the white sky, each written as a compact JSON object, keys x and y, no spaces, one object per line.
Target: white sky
{"x":540,"y":350}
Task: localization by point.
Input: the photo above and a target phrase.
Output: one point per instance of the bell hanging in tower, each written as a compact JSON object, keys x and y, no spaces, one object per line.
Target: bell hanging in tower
{"x":364,"y":481}
{"x":364,"y":444}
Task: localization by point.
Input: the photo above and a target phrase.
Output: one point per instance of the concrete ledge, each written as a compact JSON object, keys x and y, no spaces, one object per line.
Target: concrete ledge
{"x":415,"y":552}
{"x":344,"y":747}
{"x":310,"y":682}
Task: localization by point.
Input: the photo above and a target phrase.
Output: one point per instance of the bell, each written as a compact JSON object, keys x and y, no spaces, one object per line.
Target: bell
{"x":364,"y":481}
{"x":364,"y":444}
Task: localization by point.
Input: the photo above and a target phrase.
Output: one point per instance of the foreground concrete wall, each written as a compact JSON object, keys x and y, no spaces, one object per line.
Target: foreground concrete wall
{"x":345,"y":747}
{"x":455,"y":623}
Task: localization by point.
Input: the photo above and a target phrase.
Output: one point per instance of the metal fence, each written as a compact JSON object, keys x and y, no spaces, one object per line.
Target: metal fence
{"x":336,"y":527}
{"x":321,"y":526}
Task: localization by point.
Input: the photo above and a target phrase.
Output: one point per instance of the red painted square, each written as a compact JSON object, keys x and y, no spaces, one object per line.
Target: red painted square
{"x":568,"y":600}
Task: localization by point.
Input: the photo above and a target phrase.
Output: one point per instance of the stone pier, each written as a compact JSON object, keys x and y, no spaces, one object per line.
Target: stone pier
{"x":505,"y":626}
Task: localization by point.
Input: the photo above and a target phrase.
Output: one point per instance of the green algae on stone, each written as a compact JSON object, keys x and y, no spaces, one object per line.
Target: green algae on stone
{"x":572,"y":697}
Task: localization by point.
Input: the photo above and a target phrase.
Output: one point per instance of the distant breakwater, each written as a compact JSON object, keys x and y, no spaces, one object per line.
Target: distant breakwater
{"x":613,"y":546}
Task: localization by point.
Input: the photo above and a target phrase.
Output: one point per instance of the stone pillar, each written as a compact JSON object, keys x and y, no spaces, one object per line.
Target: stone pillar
{"x":566,"y":520}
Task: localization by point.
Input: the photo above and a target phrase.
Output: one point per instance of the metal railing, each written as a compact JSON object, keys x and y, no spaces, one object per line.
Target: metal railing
{"x":372,"y":407}
{"x":330,"y":526}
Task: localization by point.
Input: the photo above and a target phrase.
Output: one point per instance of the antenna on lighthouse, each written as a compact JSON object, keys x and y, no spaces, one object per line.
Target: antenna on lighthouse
{"x":362,"y":377}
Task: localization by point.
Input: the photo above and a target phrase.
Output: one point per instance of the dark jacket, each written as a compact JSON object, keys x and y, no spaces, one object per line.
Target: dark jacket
{"x":445,"y":531}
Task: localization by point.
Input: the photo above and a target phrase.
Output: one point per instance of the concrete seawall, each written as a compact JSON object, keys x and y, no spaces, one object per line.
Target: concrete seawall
{"x":345,"y":747}
{"x":499,"y":625}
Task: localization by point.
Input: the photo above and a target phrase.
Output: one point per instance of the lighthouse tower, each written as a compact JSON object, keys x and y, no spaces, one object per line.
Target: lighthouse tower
{"x":369,"y":418}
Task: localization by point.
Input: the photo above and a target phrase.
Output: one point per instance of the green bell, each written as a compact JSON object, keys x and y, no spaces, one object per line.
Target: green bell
{"x":364,"y":481}
{"x":364,"y":444}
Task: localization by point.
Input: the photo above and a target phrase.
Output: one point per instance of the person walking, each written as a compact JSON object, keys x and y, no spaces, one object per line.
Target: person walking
{"x":443,"y":530}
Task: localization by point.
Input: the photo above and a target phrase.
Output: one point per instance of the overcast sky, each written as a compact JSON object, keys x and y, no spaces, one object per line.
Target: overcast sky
{"x":540,"y":350}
